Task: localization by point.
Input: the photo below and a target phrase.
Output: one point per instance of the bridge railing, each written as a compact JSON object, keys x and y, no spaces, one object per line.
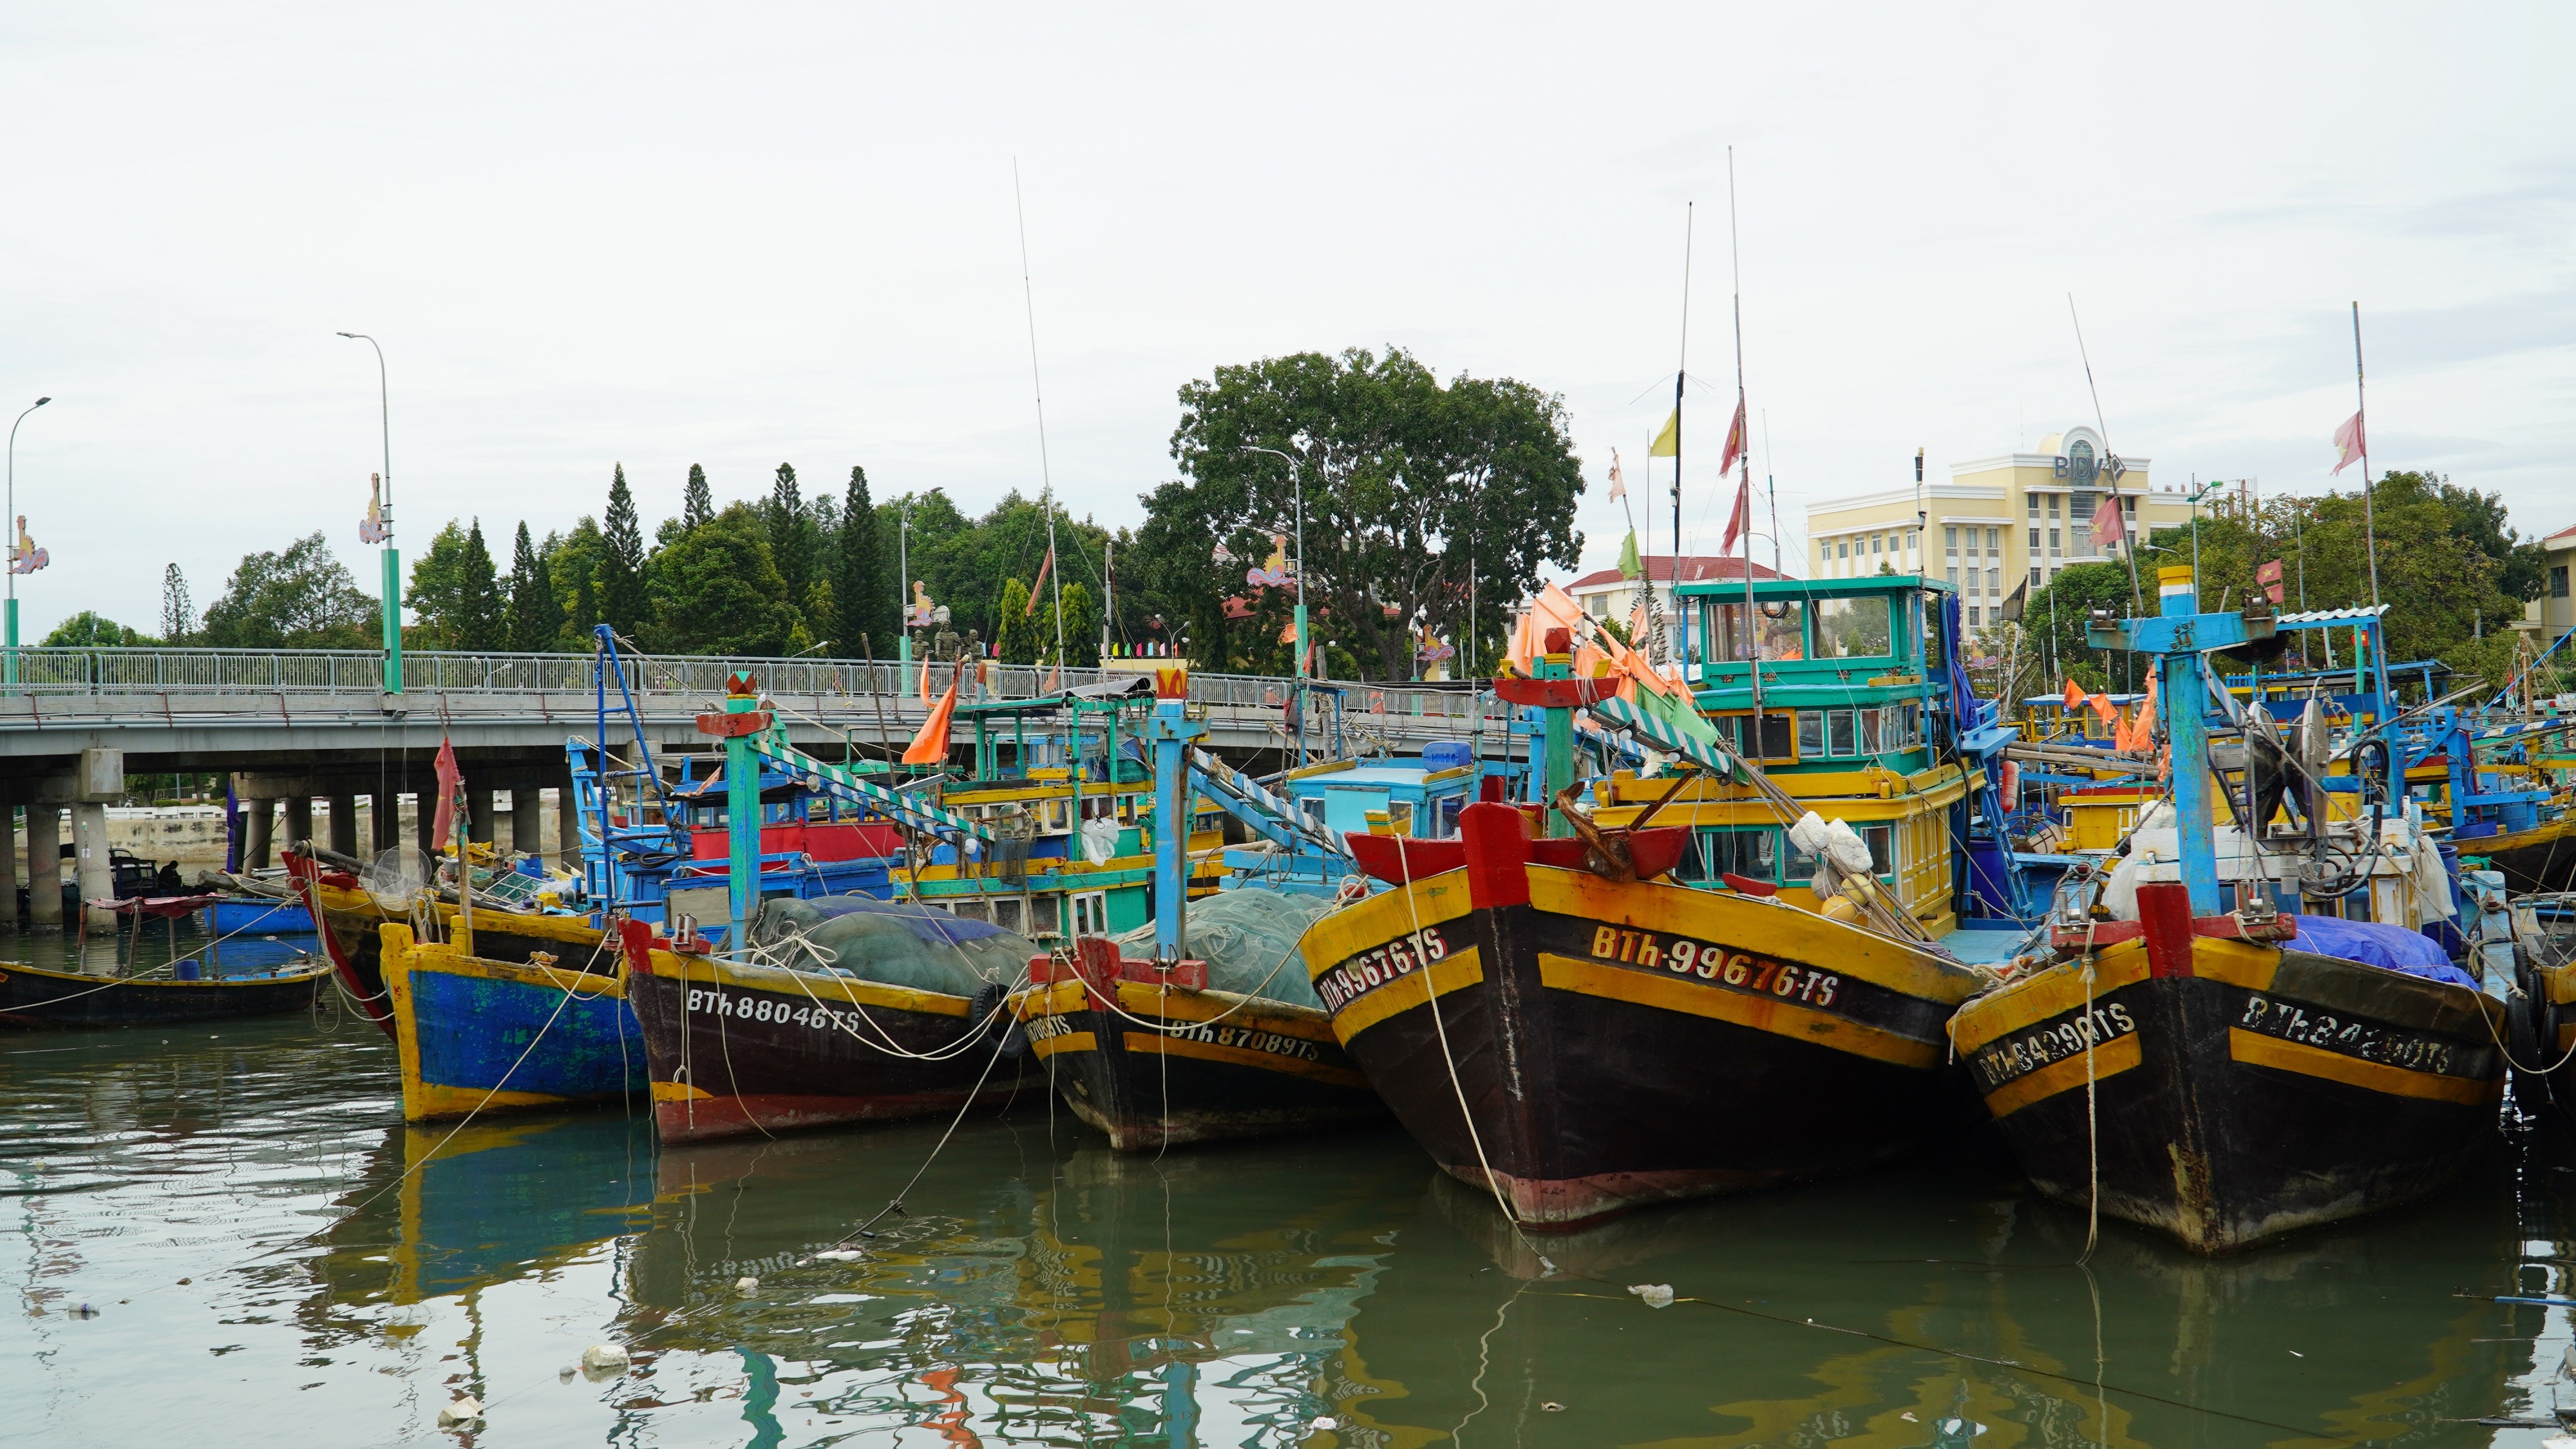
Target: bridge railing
{"x":57,"y":674}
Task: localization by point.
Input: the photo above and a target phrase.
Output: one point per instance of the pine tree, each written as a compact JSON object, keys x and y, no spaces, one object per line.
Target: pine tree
{"x":536,"y":615}
{"x":479,"y":619}
{"x":178,"y":614}
{"x":697,"y":502}
{"x":1015,"y":633}
{"x":623,"y":602}
{"x":791,"y":533}
{"x":859,"y":595}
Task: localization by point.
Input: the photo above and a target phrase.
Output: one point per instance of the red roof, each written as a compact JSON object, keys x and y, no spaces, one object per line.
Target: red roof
{"x":2560,"y":538}
{"x":1696,"y":568}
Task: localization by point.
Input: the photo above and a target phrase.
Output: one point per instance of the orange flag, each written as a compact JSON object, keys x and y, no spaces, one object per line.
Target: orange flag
{"x":2074,"y":695}
{"x":930,"y":747}
{"x":2103,"y":706}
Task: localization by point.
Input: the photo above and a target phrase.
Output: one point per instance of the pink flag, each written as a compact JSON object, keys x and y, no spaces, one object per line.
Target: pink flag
{"x":1734,"y":440}
{"x":449,"y":777}
{"x":1740,"y":525}
{"x":2349,"y":445}
{"x":2107,"y":521}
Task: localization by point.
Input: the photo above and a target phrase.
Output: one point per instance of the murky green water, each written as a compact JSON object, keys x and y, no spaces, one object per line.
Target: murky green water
{"x":273,"y":1258}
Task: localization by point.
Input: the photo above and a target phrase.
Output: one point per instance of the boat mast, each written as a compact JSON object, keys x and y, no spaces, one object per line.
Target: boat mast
{"x":1037,"y":389}
{"x":1752,"y":631}
{"x":1680,"y":377}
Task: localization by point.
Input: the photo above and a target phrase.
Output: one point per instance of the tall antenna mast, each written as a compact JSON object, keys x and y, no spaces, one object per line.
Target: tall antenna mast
{"x":2137,"y":594}
{"x":1752,"y":630}
{"x":2361,"y":405}
{"x":1689,"y":214}
{"x":1046,"y":495}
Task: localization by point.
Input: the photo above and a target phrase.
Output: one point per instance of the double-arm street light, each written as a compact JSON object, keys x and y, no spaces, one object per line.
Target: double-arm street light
{"x":393,"y":551}
{"x":12,"y":522}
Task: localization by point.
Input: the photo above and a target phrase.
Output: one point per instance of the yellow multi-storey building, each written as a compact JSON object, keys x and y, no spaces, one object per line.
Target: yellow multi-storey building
{"x":1996,"y":523}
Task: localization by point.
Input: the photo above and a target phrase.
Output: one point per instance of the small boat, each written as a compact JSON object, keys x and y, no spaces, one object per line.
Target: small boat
{"x":1154,"y":1057}
{"x":247,"y":915}
{"x":543,"y":1028}
{"x":43,"y":996}
{"x":733,"y":1048}
{"x":2227,"y":1075}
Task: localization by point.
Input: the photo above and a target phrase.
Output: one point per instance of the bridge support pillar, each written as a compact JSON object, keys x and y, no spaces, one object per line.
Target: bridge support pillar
{"x":45,"y":864}
{"x":97,"y":875}
{"x":258,"y":819}
{"x":299,"y":818}
{"x":478,"y":813}
{"x":344,"y":824}
{"x":528,"y":822}
{"x":567,"y":824}
{"x":8,"y":867}
{"x":384,"y":813}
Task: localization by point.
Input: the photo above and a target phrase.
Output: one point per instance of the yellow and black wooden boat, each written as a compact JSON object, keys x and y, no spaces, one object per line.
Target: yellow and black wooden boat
{"x":1600,"y":1044}
{"x":541,"y":1029}
{"x":2221,"y":1089}
{"x":1156,"y":1058}
{"x":42,"y":996}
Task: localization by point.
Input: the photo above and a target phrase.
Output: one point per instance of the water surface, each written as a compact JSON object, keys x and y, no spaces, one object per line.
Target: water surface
{"x":273,"y":1258}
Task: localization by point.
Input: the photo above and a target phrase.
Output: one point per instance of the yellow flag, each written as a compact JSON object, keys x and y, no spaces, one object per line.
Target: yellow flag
{"x":1668,"y":443}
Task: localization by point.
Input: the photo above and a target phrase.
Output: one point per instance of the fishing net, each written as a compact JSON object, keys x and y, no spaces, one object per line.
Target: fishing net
{"x":1248,"y":938}
{"x":893,"y":942}
{"x":399,"y":878}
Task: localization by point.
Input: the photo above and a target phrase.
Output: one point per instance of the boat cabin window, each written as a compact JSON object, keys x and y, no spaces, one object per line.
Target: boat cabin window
{"x":1880,"y":838}
{"x":1056,"y":818}
{"x":1399,"y":816}
{"x":1712,"y":853}
{"x":1444,"y":816}
{"x":1006,"y":914}
{"x":1873,"y":730}
{"x":1737,"y":731}
{"x":1783,"y":629}
{"x":972,"y":910}
{"x":1091,"y":914}
{"x":1841,"y":732}
{"x":1312,"y":807}
{"x":1853,"y":629}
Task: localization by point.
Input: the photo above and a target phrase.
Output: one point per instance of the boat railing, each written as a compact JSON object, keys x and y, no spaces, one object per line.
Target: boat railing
{"x":157,"y":671}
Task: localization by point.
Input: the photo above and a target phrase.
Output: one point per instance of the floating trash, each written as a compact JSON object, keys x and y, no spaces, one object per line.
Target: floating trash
{"x":1551,"y":1406}
{"x":463,"y":1409}
{"x":746,"y":1286}
{"x":604,"y":1358}
{"x":1328,"y":1422}
{"x":1657,"y":1295}
{"x":839,"y":1255}
{"x":84,"y":1311}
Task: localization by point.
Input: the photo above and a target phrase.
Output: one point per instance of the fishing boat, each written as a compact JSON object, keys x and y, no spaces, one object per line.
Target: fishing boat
{"x":180,"y":992}
{"x":1543,"y":999}
{"x":2225,"y":1076}
{"x":509,"y":1013}
{"x":734,"y":1047}
{"x":352,"y":914}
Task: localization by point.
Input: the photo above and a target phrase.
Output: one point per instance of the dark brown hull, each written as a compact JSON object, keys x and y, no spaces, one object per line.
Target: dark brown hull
{"x":1601,"y":1067}
{"x":2258,"y":1092}
{"x":35,"y":996}
{"x":2547,"y":864}
{"x":1228,"y":1068}
{"x":733,"y":1050}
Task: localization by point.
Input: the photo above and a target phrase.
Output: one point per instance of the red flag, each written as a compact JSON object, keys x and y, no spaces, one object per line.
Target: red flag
{"x":1734,"y":440}
{"x":449,"y":777}
{"x":2349,"y":444}
{"x":2269,"y":573}
{"x":1739,"y":525}
{"x":2107,"y":521}
{"x":930,"y":747}
{"x":1040,"y":585}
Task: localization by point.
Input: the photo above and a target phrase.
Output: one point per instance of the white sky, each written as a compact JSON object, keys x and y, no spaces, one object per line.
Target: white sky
{"x":664,"y":235}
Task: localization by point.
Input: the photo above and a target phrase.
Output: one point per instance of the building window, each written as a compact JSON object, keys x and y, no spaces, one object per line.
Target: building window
{"x":2034,"y":576}
{"x":1950,"y":541}
{"x":1911,"y":542}
{"x":2052,"y":505}
{"x":1954,"y":581}
{"x":1972,"y":616}
{"x":2129,"y":504}
{"x":1842,"y":549}
{"x":1995,"y":582}
{"x":2053,"y":550}
{"x":2034,"y":540}
{"x":2033,"y":499}
{"x":1878,"y":543}
{"x":2558,"y":582}
{"x":1994,"y":543}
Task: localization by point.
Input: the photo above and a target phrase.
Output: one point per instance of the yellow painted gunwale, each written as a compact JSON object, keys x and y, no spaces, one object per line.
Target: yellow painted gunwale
{"x":1761,"y":1013}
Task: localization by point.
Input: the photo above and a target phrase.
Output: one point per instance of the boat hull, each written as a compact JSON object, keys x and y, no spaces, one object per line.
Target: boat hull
{"x":2239,"y":1091}
{"x":38,"y":996}
{"x":2535,"y":861}
{"x":734,"y":1049}
{"x":1173,"y":1065}
{"x":259,"y":917}
{"x":1602,"y":1046}
{"x":479,"y":1036}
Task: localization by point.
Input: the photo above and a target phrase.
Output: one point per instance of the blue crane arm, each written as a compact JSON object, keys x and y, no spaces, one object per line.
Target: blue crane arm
{"x":824,"y":777}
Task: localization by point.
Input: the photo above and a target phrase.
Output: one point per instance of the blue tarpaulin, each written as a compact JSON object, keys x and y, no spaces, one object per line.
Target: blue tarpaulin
{"x":2391,"y":947}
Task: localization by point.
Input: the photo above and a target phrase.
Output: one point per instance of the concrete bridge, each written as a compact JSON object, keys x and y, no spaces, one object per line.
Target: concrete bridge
{"x":290,"y":726}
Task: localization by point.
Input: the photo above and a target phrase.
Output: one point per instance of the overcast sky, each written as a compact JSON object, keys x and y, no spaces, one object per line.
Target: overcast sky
{"x":740,"y":235}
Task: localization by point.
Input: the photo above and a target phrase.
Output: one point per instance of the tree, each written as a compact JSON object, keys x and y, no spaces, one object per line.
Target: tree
{"x":862,"y":605}
{"x":300,"y":598}
{"x":697,"y":503}
{"x":1419,"y":499}
{"x":624,"y":599}
{"x":721,"y":592}
{"x":90,"y":630}
{"x":178,"y":613}
{"x":482,"y":622}
{"x":1015,"y":636}
{"x":536,"y":615}
{"x":573,"y":562}
{"x":791,"y":532}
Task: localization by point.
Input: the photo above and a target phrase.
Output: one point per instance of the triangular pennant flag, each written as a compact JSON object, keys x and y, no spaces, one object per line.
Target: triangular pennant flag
{"x":1618,"y":480}
{"x":2014,"y":601}
{"x":2074,"y":695}
{"x":2349,"y":444}
{"x":449,"y":777}
{"x":1668,"y":443}
{"x":1739,"y":525}
{"x":930,"y":747}
{"x":1629,"y":565}
{"x":1734,"y":440}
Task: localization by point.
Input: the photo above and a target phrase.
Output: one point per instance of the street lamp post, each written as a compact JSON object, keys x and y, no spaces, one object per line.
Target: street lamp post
{"x":12,"y":522}
{"x":903,"y":595}
{"x":392,"y":550}
{"x":1296,"y":481}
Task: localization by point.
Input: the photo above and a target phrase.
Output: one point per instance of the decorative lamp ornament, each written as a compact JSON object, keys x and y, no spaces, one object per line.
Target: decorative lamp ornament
{"x":24,"y":556}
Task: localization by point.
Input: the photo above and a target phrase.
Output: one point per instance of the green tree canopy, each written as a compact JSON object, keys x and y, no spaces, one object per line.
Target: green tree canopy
{"x":90,"y":630}
{"x":862,"y":598}
{"x":624,"y":597}
{"x":298,"y":598}
{"x":791,"y":530}
{"x":573,"y":563}
{"x":178,"y":614}
{"x":697,"y":502}
{"x":720,"y":592}
{"x":536,"y":615}
{"x":455,"y":592}
{"x":1015,"y":636}
{"x":1420,"y":499}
